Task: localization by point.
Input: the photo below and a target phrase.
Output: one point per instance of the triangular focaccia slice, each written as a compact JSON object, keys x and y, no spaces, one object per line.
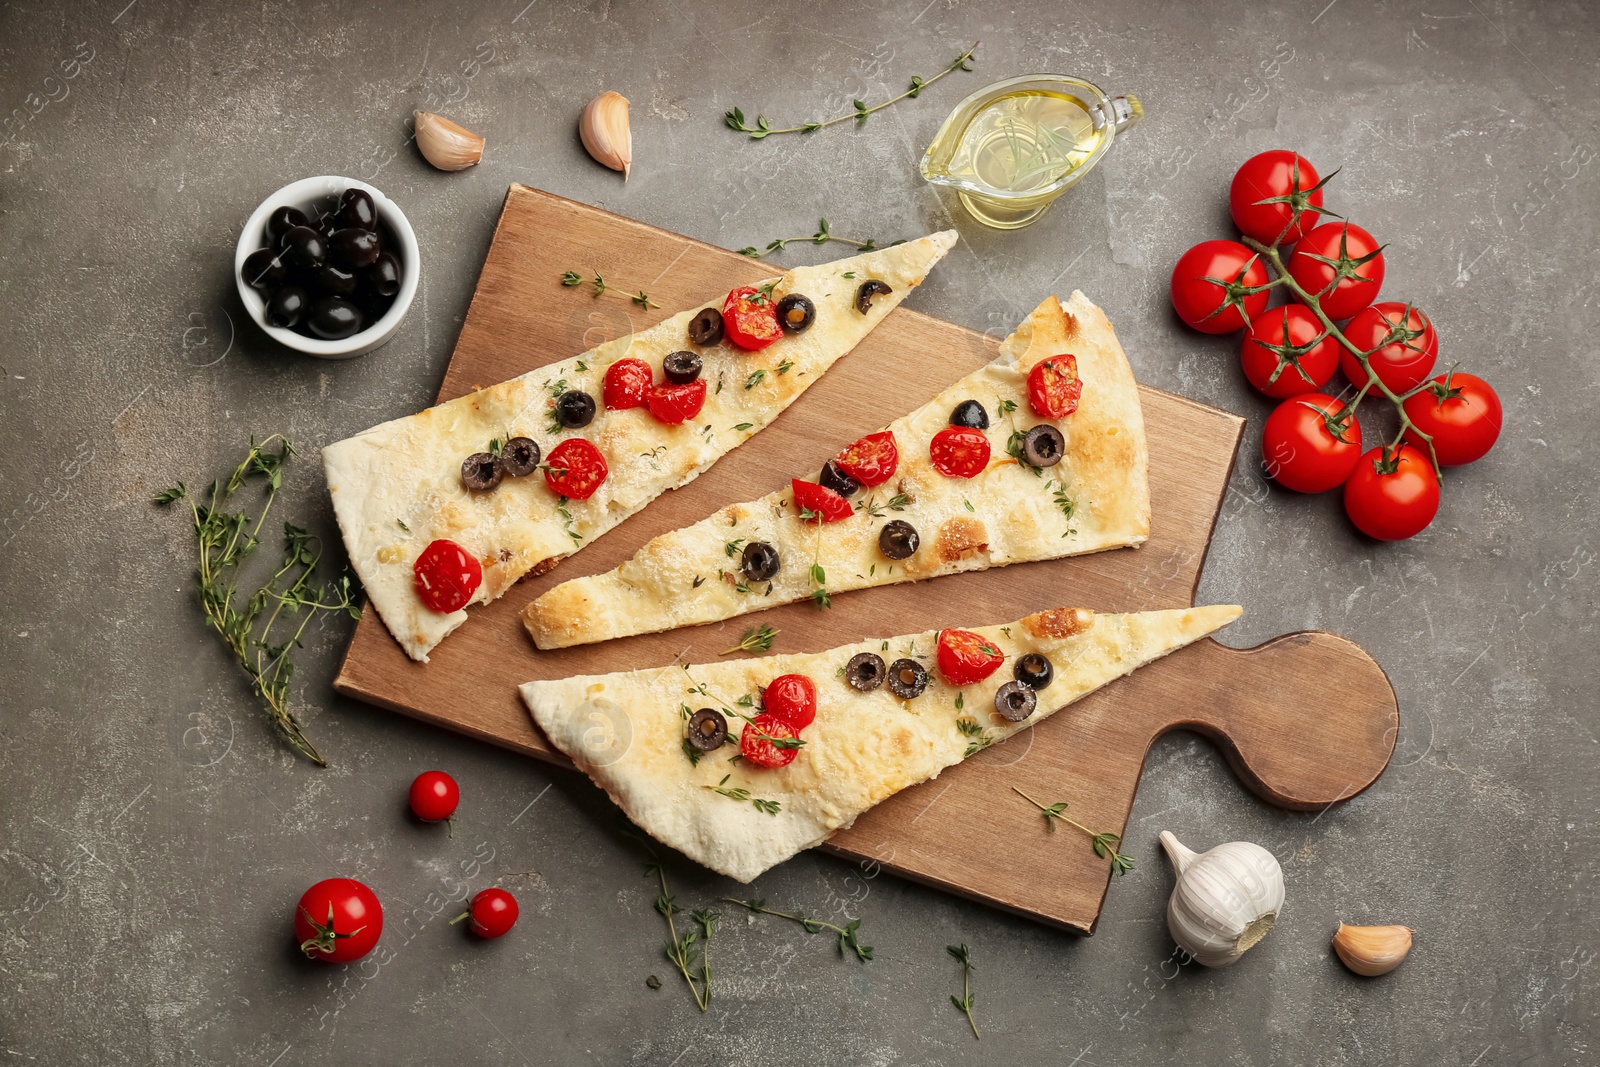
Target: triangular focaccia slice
{"x":398,"y":487}
{"x":1097,"y":497}
{"x":628,"y":730}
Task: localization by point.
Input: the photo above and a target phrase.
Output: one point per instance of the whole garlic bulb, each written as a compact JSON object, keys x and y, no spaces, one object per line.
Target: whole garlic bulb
{"x":1226,"y":900}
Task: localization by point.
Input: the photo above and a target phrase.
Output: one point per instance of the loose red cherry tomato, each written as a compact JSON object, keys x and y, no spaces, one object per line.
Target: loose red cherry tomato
{"x":1342,"y":265}
{"x":1275,"y":196}
{"x":434,"y":796}
{"x":1217,"y":286}
{"x":792,"y":698}
{"x":959,"y":452}
{"x":820,"y":501}
{"x":1407,"y":346}
{"x":756,"y":741}
{"x":1054,"y":387}
{"x":493,"y":913}
{"x":338,"y":920}
{"x":1286,"y":352}
{"x":575,"y":469}
{"x":1461,"y":412}
{"x":1310,"y":444}
{"x":446,"y":576}
{"x":1392,"y":495}
{"x":966,"y":657}
{"x":749,"y":319}
{"x":627,"y":382}
{"x":675,"y":404}
{"x":871,"y":460}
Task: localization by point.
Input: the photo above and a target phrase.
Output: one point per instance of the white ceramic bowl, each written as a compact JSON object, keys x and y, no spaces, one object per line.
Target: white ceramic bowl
{"x":310,"y":194}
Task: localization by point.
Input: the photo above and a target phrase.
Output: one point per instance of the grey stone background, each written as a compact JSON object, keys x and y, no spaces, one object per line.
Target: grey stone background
{"x":155,"y":836}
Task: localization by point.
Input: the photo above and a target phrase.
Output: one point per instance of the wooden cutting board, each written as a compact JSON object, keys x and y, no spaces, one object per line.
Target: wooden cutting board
{"x":966,"y":831}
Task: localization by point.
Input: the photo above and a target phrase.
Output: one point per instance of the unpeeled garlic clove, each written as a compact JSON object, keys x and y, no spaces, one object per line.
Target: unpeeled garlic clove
{"x":1372,"y":950}
{"x":445,"y":144}
{"x":603,"y":126}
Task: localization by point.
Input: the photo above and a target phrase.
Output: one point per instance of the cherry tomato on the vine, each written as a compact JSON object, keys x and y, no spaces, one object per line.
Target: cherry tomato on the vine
{"x":338,"y":920}
{"x":792,"y":698}
{"x":626,"y":383}
{"x":1286,"y":352}
{"x":1402,"y":348}
{"x":1054,"y":387}
{"x":959,"y":452}
{"x":749,"y":319}
{"x":965,"y":657}
{"x":1276,"y":196}
{"x":1461,"y":412}
{"x":675,"y":404}
{"x":819,"y":501}
{"x":1217,"y":285}
{"x":574,"y":469}
{"x":1340,"y":264}
{"x":493,"y":913}
{"x":434,"y":796}
{"x":1310,"y":443}
{"x":1392,"y":495}
{"x":871,"y":460}
{"x":446,"y":576}
{"x":756,"y":741}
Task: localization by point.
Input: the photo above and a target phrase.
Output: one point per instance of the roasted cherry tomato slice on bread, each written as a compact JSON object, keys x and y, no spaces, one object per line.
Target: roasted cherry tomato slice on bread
{"x":575,"y":469}
{"x":1461,"y":412}
{"x":959,"y":452}
{"x":676,"y":404}
{"x":1054,"y":387}
{"x":792,"y":698}
{"x":966,"y":657}
{"x":447,"y":575}
{"x":749,"y":319}
{"x":756,"y":741}
{"x":338,"y":920}
{"x":627,"y":382}
{"x":1392,"y":495}
{"x":820,"y":502}
{"x":871,"y":460}
{"x":1402,"y":345}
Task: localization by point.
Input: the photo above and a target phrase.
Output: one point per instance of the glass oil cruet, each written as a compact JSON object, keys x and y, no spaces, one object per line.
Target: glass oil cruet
{"x":1010,"y":149}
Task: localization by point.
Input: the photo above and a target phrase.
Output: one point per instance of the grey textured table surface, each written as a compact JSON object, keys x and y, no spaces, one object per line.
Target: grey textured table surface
{"x":155,"y":836}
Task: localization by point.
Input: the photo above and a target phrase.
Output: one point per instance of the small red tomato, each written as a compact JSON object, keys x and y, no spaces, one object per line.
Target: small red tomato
{"x":434,"y":796}
{"x":1340,"y":264}
{"x":674,"y":404}
{"x":1461,"y":412}
{"x":446,"y":576}
{"x":627,"y":382}
{"x":1310,"y":443}
{"x":815,"y":501}
{"x":792,"y":698}
{"x":1054,"y":387}
{"x":493,"y":913}
{"x":871,"y":460}
{"x":1392,"y":495}
{"x":1289,"y":353}
{"x":749,"y":319}
{"x":338,"y":920}
{"x":959,"y":452}
{"x":1275,"y":196}
{"x":1217,"y":286}
{"x":575,"y":469}
{"x":756,"y":742}
{"x":966,"y":657}
{"x":1401,"y":343}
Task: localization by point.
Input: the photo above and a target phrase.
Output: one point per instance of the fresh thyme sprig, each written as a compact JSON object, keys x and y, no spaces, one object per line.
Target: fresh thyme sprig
{"x":225,"y":540}
{"x":679,"y":949}
{"x":735,"y":118}
{"x":1105,"y":844}
{"x":977,"y":737}
{"x":572,"y":278}
{"x":821,"y":237}
{"x":755,"y":639}
{"x":963,"y":1003}
{"x":743,"y":796}
{"x":848,"y":939}
{"x":819,"y":576}
{"x":870,"y":506}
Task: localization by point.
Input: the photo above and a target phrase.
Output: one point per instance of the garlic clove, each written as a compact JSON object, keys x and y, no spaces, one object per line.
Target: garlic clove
{"x":445,"y":144}
{"x":1372,"y":950}
{"x":603,"y":126}
{"x":1225,"y":900}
